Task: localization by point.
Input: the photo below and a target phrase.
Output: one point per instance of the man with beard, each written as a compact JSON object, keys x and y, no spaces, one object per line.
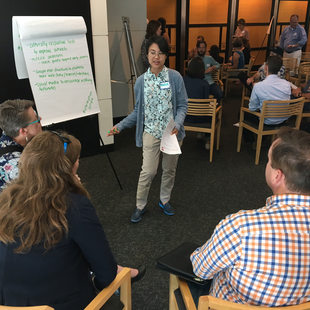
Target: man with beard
{"x":210,"y":65}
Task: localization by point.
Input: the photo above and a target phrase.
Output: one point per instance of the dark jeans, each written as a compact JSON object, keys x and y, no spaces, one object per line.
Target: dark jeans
{"x":199,"y":290}
{"x":216,"y":91}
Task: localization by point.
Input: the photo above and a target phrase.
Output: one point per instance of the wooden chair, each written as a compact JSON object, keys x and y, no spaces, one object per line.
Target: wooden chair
{"x":122,"y":281}
{"x":290,"y":66}
{"x":303,"y":74}
{"x":211,"y":303}
{"x":216,"y":76}
{"x":270,"y":109}
{"x":228,"y":78}
{"x":305,"y":56}
{"x":206,"y":107}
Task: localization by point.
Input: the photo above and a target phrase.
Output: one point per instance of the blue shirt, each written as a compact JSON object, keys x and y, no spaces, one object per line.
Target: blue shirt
{"x":157,"y":102}
{"x":272,"y":88}
{"x":8,"y":162}
{"x":292,"y":36}
{"x":209,"y":61}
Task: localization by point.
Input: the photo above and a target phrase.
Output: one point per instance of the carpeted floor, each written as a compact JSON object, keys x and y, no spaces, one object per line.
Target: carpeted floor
{"x":203,"y":194}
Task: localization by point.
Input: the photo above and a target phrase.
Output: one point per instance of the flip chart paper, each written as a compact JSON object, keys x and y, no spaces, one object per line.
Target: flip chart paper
{"x":53,"y":53}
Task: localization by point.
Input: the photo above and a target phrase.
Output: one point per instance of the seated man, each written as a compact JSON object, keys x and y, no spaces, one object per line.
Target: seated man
{"x":261,"y":257}
{"x":272,"y":88}
{"x":19,"y":123}
{"x":210,"y":66}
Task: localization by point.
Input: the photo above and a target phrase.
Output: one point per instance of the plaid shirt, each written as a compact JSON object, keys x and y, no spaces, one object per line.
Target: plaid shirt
{"x":260,"y":257}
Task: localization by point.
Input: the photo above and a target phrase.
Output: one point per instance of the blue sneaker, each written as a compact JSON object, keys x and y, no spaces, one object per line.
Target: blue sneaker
{"x":136,"y":215}
{"x":167,"y":208}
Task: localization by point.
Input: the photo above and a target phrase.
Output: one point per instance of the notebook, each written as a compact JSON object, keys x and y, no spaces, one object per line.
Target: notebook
{"x":178,"y":262}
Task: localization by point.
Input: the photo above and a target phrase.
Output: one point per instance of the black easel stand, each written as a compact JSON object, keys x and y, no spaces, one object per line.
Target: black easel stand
{"x":111,"y":164}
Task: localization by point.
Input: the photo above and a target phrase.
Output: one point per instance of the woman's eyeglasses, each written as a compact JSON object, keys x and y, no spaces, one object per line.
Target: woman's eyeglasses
{"x":64,"y":140}
{"x":38,"y":120}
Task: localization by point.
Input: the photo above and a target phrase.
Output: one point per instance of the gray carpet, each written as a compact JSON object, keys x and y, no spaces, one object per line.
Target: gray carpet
{"x":204,"y":193}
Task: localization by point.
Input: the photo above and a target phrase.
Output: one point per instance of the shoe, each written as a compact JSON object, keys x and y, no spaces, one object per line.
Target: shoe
{"x":140,"y":275}
{"x":136,"y":216}
{"x":168,"y":210}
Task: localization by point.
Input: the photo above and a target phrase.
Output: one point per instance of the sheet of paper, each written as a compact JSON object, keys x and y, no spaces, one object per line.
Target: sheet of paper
{"x":169,"y":143}
{"x":53,"y":53}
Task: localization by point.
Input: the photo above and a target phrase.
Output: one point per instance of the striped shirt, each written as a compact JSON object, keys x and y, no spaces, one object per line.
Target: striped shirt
{"x":260,"y":257}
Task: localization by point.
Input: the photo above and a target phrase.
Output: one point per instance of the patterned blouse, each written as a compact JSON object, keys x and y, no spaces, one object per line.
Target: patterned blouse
{"x":157,"y":102}
{"x":8,"y":162}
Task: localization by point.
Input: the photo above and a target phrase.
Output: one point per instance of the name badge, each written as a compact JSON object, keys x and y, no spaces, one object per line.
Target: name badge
{"x":164,"y":85}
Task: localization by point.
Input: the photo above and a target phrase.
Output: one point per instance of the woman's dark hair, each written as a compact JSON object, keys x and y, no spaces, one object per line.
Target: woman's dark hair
{"x":237,"y":42}
{"x":151,"y":28}
{"x":214,"y":51}
{"x":196,"y":68}
{"x":160,"y":41}
{"x":241,"y":21}
{"x":163,"y":23}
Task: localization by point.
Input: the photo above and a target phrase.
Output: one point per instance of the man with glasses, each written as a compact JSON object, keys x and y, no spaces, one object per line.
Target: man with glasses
{"x":19,"y":123}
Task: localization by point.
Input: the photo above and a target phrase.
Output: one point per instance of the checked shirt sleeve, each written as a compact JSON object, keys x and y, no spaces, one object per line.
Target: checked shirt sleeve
{"x":220,"y":251}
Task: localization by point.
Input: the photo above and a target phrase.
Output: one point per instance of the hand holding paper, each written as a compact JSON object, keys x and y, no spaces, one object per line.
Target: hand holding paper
{"x":169,"y":142}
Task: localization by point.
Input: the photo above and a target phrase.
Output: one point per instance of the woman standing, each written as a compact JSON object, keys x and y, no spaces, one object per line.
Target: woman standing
{"x":153,"y":28}
{"x":160,"y":97}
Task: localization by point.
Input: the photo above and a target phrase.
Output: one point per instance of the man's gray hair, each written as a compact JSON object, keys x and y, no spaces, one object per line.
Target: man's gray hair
{"x":13,"y":116}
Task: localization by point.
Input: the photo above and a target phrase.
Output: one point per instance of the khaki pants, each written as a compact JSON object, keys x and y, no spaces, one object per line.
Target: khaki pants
{"x":296,"y":54}
{"x":151,"y":153}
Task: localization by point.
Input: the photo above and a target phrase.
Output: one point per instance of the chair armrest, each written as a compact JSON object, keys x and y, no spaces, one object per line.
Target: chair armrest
{"x":218,"y":109}
{"x":122,"y":280}
{"x":247,"y":110}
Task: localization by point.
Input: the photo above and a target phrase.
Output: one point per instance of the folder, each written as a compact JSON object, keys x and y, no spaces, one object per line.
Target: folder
{"x":178,"y":263}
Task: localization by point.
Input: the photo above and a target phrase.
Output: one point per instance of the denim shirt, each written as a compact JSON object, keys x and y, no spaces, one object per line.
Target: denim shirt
{"x":157,"y":102}
{"x":292,"y":36}
{"x":179,"y":107}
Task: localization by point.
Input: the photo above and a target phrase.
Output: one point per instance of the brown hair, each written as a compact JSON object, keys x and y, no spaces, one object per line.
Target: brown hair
{"x":291,"y":154}
{"x":151,"y":28}
{"x":33,"y":208}
{"x":73,"y":149}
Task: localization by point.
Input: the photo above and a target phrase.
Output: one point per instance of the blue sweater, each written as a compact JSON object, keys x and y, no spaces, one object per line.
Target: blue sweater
{"x":179,"y":103}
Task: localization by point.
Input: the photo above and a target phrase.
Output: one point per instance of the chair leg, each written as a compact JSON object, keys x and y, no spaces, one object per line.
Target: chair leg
{"x":211,"y":145}
{"x":173,"y":285}
{"x":218,"y":135}
{"x":240,"y":132}
{"x":258,"y":147}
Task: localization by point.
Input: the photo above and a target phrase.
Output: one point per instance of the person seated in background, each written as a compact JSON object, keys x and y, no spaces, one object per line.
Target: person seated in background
{"x":193,"y":52}
{"x":153,"y":28}
{"x":241,"y":31}
{"x":19,"y":123}
{"x":237,"y":58}
{"x":50,"y":235}
{"x":261,"y":257}
{"x":246,"y":49}
{"x":272,"y":88}
{"x":210,"y":65}
{"x":196,"y":86}
{"x":215,"y":53}
{"x":304,"y":91}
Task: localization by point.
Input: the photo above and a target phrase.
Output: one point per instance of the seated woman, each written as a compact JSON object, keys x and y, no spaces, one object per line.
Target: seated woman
{"x":196,"y":86}
{"x":50,"y":235}
{"x":215,"y":53}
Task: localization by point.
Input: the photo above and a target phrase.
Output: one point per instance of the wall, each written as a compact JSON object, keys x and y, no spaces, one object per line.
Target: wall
{"x":102,"y":66}
{"x":135,"y":10}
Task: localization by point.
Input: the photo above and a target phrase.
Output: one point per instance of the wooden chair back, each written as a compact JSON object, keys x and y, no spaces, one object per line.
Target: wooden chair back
{"x":206,"y":107}
{"x":305,"y":56}
{"x":26,"y":308}
{"x":122,"y":281}
{"x":208,"y":302}
{"x":290,"y":65}
{"x":270,"y":109}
